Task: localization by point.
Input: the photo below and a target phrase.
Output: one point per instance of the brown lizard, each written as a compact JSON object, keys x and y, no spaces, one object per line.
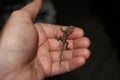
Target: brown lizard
{"x":66,"y":33}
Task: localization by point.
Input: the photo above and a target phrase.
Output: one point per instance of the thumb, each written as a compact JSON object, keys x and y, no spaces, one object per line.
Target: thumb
{"x":33,"y":8}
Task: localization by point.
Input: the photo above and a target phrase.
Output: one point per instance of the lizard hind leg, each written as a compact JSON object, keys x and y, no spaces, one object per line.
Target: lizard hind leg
{"x":66,"y":47}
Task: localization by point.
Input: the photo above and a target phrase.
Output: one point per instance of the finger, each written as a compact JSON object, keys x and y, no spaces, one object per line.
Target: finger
{"x":69,"y":54}
{"x":82,"y":42}
{"x":56,"y":45}
{"x":82,"y":52}
{"x":33,"y":8}
{"x":66,"y":55}
{"x":67,"y":66}
{"x":53,"y":31}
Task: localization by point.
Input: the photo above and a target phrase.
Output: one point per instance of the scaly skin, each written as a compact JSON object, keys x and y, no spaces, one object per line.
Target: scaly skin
{"x":66,"y":33}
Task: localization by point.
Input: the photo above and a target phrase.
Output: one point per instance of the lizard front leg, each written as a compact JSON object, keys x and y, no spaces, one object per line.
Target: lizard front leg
{"x":62,"y":30}
{"x":58,"y":38}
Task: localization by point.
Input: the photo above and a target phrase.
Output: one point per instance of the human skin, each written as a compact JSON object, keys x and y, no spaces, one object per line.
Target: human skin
{"x":30,"y":51}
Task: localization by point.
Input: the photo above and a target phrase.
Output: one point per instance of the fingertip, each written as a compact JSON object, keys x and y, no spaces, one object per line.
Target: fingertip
{"x":79,"y":31}
{"x":87,"y":42}
{"x":77,"y":62}
{"x":81,"y":61}
{"x":32,"y":8}
{"x":84,"y":52}
{"x":82,"y":42}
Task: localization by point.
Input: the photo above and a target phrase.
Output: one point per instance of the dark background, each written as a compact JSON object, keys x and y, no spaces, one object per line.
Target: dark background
{"x":100,"y":21}
{"x":77,"y":11}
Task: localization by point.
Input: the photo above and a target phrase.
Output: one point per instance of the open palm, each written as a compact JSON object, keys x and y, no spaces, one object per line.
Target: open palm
{"x":30,"y":50}
{"x":49,"y":49}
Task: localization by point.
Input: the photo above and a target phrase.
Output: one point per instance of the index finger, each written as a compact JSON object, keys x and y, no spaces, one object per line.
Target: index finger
{"x":53,"y":31}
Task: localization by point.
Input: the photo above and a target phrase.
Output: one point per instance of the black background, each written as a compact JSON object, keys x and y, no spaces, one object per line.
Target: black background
{"x":100,"y":21}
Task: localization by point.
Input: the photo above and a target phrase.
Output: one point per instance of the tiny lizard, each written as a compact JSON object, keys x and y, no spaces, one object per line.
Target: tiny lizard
{"x":66,"y":33}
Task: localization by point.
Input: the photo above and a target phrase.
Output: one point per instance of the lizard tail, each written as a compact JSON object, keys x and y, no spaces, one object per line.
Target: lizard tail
{"x":61,"y":57}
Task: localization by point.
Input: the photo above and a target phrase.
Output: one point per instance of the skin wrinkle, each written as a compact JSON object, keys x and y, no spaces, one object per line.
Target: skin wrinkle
{"x":51,"y":33}
{"x":39,"y":34}
{"x":68,"y":66}
{"x":56,"y":31}
{"x":67,"y":55}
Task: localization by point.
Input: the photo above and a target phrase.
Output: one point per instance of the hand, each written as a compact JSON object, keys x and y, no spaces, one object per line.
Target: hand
{"x":29,"y":51}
